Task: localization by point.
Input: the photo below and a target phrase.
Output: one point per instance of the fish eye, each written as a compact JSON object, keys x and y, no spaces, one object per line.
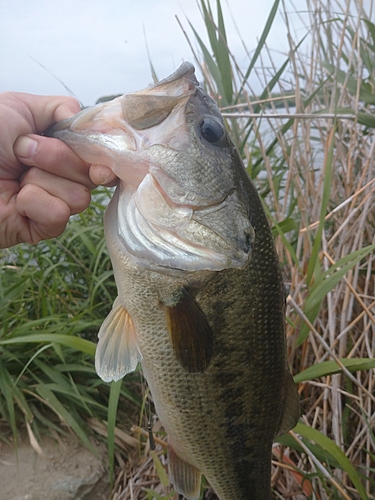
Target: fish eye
{"x":212,"y":130}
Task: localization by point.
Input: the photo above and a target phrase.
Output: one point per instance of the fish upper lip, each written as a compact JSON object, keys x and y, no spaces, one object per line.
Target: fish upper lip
{"x":107,"y":125}
{"x":178,"y":86}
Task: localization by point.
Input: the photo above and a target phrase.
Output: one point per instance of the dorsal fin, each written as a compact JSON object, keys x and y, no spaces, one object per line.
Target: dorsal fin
{"x":117,"y":352}
{"x":185,"y":478}
{"x":291,"y":406}
{"x":190,"y":333}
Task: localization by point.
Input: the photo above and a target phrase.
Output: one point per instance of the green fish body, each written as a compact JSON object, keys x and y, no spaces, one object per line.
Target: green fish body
{"x":200,"y":296}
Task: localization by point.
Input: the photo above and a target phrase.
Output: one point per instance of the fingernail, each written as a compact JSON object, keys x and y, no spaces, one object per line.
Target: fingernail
{"x":100,"y":174}
{"x":107,"y":179}
{"x":25,"y":147}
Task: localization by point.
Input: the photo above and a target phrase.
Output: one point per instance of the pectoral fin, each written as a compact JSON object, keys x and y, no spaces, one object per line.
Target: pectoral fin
{"x":117,"y":352}
{"x":291,"y":406}
{"x":185,"y":478}
{"x":190,"y":334}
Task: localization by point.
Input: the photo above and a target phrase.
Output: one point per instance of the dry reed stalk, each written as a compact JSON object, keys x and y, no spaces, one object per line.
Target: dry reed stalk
{"x":339,"y":405}
{"x":346,"y":319}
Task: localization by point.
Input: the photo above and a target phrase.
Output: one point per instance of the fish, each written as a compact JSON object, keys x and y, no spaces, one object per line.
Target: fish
{"x":201,"y":300}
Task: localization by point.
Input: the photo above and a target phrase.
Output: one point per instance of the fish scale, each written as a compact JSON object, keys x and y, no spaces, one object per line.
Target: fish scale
{"x":200,"y":297}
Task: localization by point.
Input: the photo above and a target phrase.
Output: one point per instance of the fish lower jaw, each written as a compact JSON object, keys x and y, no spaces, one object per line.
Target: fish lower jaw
{"x":163,"y":239}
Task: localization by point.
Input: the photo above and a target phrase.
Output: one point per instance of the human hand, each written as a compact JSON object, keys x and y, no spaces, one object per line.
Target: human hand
{"x":42,"y":181}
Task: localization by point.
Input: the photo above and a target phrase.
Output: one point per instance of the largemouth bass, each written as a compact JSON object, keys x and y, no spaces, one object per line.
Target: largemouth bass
{"x":200,"y":296}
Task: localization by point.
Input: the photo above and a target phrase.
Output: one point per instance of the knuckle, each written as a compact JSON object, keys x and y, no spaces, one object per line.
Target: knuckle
{"x":81,"y":200}
{"x":26,"y":192}
{"x":71,"y":101}
{"x":57,"y":218}
{"x":31,"y":176}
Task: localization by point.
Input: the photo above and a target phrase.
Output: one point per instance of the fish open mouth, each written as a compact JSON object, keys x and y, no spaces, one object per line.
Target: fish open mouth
{"x":160,"y":218}
{"x":118,"y":132}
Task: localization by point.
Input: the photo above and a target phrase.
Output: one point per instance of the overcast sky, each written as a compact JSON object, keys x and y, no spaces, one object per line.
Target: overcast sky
{"x":97,"y":47}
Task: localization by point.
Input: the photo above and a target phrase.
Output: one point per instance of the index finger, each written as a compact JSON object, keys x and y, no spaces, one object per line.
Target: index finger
{"x":54,"y":156}
{"x":47,"y":110}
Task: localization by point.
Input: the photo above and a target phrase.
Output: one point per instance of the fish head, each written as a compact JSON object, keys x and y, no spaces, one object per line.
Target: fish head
{"x":180,"y":204}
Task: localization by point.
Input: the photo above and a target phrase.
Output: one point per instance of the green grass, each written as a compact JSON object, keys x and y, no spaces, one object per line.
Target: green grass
{"x":315,"y":172}
{"x":53,"y":298}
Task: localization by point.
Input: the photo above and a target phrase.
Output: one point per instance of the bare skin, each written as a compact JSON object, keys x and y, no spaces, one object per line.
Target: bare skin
{"x":42,"y":181}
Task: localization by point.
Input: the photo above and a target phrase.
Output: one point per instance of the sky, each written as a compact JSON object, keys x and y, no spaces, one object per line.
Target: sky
{"x":98,"y":48}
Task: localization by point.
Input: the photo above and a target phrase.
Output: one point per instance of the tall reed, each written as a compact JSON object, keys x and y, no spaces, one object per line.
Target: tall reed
{"x":307,"y":140}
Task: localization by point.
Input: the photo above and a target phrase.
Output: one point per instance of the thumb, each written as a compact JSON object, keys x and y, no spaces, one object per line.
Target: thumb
{"x":47,"y":110}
